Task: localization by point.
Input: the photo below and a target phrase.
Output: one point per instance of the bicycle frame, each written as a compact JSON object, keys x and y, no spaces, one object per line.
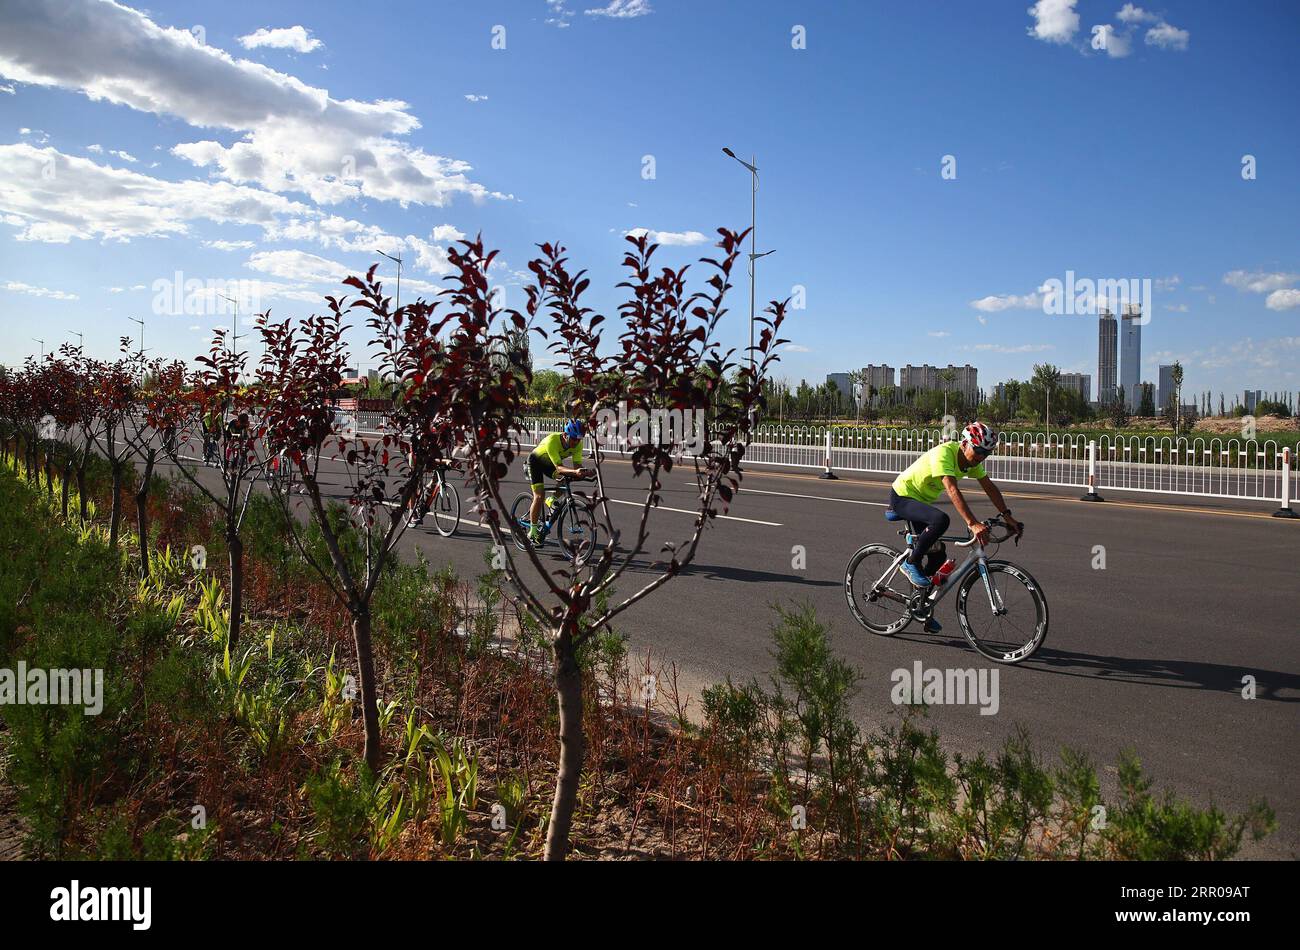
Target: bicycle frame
{"x":563,"y":495}
{"x":976,"y":560}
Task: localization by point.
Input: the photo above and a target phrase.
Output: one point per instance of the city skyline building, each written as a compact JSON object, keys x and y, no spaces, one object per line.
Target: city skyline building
{"x":1130,"y":354}
{"x":1078,"y":382}
{"x":1107,"y":357}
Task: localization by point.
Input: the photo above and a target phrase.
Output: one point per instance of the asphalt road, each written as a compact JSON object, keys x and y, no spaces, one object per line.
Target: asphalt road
{"x":1149,"y":653}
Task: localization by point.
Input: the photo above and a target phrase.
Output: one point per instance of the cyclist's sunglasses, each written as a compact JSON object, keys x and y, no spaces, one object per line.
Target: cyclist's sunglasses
{"x":982,"y":452}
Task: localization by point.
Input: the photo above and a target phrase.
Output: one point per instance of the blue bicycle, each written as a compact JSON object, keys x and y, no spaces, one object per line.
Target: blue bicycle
{"x":571,"y":518}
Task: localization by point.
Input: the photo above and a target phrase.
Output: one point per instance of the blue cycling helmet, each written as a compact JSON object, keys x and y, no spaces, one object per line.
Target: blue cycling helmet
{"x":573,"y":430}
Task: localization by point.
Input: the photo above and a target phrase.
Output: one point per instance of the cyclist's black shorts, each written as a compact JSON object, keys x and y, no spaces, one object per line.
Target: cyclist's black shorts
{"x":539,"y":469}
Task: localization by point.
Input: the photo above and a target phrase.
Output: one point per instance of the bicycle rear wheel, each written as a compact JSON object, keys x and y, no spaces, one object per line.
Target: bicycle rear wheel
{"x":1011,"y":627}
{"x":519,"y":523}
{"x":446,"y":510}
{"x":880,"y":607}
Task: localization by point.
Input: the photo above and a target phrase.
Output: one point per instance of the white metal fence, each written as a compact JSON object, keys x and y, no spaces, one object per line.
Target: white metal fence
{"x":1253,"y":469}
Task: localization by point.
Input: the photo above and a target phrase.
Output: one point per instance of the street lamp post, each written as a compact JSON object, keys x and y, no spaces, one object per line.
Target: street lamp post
{"x":42,"y":343}
{"x":234,"y":331}
{"x":140,"y":321}
{"x":752,"y":166}
{"x":81,"y":339}
{"x":398,"y":261}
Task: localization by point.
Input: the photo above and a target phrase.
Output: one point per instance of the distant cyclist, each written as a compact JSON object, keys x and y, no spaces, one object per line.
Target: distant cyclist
{"x":545,"y":460}
{"x":916,"y":490}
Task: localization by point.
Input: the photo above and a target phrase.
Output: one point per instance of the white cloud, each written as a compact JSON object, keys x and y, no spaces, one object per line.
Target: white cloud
{"x":561,"y":14}
{"x":938,"y":333}
{"x":7,"y":88}
{"x":334,"y":231}
{"x":58,"y":198}
{"x":1167,"y":37}
{"x":298,"y":266}
{"x":445,"y":234}
{"x":1283,"y":300}
{"x":622,"y":9}
{"x":124,"y":156}
{"x":430,"y":258}
{"x":292,"y":37}
{"x":1258,"y":282}
{"x":995,"y":303}
{"x":1131,"y":14}
{"x":473,"y":98}
{"x":1117,"y":45}
{"x":1176,"y":308}
{"x":19,"y":288}
{"x":669,"y":238}
{"x":1168,"y":283}
{"x":1055,"y":21}
{"x":296,"y":137}
{"x":229,"y":245}
{"x":795,"y":348}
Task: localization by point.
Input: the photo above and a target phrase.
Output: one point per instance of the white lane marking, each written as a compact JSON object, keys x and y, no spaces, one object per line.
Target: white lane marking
{"x":637,"y":504}
{"x":476,"y":524}
{"x":789,"y":494}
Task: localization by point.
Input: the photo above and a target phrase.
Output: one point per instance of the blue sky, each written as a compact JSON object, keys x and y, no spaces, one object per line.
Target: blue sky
{"x":138,"y":143}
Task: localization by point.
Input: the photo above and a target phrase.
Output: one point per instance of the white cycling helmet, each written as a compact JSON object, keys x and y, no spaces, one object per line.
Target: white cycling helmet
{"x":980,"y":436}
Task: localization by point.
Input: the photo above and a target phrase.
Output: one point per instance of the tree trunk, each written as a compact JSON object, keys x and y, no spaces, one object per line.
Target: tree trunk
{"x":142,"y":514}
{"x":568,"y":690}
{"x":115,"y":516}
{"x":67,"y":478}
{"x":83,"y":503}
{"x":366,"y":667}
{"x":236,"y":548}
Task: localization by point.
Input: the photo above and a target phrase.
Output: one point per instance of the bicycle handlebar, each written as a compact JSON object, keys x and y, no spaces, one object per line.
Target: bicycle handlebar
{"x":994,"y":538}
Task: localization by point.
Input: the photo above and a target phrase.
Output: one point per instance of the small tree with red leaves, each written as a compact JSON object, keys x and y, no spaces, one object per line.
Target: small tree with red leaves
{"x":443,"y":369}
{"x":667,"y":358}
{"x":151,"y":430}
{"x":181,"y":408}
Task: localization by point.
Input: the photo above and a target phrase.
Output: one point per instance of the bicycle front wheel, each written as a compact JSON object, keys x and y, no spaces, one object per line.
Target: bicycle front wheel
{"x":879,"y":604}
{"x":576,"y":531}
{"x":446,"y":510}
{"x":1005,"y":620}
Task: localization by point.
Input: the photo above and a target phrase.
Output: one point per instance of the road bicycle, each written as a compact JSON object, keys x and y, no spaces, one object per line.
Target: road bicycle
{"x":572,"y":519}
{"x":1001,"y":608}
{"x":438,"y":496}
{"x":280,"y":475}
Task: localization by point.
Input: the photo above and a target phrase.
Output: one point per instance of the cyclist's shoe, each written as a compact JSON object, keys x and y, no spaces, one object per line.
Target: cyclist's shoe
{"x":415,"y":522}
{"x":933,"y":626}
{"x":534,"y":536}
{"x":915,"y":575}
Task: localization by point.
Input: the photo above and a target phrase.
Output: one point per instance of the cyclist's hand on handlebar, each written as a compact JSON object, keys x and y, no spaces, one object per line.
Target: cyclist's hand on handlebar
{"x":1016,"y":527}
{"x":981,"y":532}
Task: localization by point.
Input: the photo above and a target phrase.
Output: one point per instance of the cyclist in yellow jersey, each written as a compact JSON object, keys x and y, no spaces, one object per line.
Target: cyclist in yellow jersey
{"x":937,"y":471}
{"x":545,"y":460}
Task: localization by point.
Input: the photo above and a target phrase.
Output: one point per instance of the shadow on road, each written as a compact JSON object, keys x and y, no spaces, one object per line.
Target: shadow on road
{"x":1179,"y":674}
